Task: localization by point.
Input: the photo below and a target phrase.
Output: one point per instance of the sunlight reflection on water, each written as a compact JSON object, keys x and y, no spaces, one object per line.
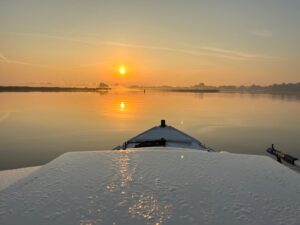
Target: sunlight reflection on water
{"x":45,"y":125}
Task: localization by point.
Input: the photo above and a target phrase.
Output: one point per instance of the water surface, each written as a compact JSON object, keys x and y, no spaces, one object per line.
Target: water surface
{"x":37,"y":127}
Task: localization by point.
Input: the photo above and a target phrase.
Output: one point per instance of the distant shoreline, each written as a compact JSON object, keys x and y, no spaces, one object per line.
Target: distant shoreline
{"x":191,"y":90}
{"x":283,"y":88}
{"x":163,"y":89}
{"x":49,"y":89}
{"x":283,"y":92}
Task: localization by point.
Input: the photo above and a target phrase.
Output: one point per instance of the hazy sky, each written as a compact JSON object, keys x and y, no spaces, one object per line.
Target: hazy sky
{"x":159,"y":42}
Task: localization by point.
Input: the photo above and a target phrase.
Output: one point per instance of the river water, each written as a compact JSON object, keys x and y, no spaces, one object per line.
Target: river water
{"x":37,"y":127}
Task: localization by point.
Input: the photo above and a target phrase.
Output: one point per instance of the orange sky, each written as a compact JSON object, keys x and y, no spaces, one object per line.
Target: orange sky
{"x":182,"y":43}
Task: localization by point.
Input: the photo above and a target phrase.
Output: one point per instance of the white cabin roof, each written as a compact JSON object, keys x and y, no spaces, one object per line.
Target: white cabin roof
{"x":8,"y":177}
{"x":154,"y":186}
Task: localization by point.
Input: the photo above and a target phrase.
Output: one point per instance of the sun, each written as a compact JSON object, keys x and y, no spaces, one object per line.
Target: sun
{"x":122,"y":70}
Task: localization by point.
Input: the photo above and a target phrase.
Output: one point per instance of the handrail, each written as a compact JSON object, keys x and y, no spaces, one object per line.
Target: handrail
{"x":282,"y":156}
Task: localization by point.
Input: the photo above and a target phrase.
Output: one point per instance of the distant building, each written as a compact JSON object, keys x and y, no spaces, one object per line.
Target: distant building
{"x":103,"y":85}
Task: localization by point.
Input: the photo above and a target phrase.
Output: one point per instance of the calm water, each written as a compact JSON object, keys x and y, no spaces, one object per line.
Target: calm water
{"x":37,"y":127}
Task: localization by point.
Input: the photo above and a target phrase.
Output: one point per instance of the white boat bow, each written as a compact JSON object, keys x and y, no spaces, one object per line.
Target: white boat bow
{"x":164,"y":136}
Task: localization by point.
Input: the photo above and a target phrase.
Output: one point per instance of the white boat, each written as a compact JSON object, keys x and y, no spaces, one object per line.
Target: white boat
{"x":164,"y":136}
{"x":154,"y":185}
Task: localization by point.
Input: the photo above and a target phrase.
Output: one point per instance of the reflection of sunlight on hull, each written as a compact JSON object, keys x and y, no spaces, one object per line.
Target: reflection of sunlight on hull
{"x":125,"y":172}
{"x":139,"y":203}
{"x":149,"y":208}
{"x":125,"y":175}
